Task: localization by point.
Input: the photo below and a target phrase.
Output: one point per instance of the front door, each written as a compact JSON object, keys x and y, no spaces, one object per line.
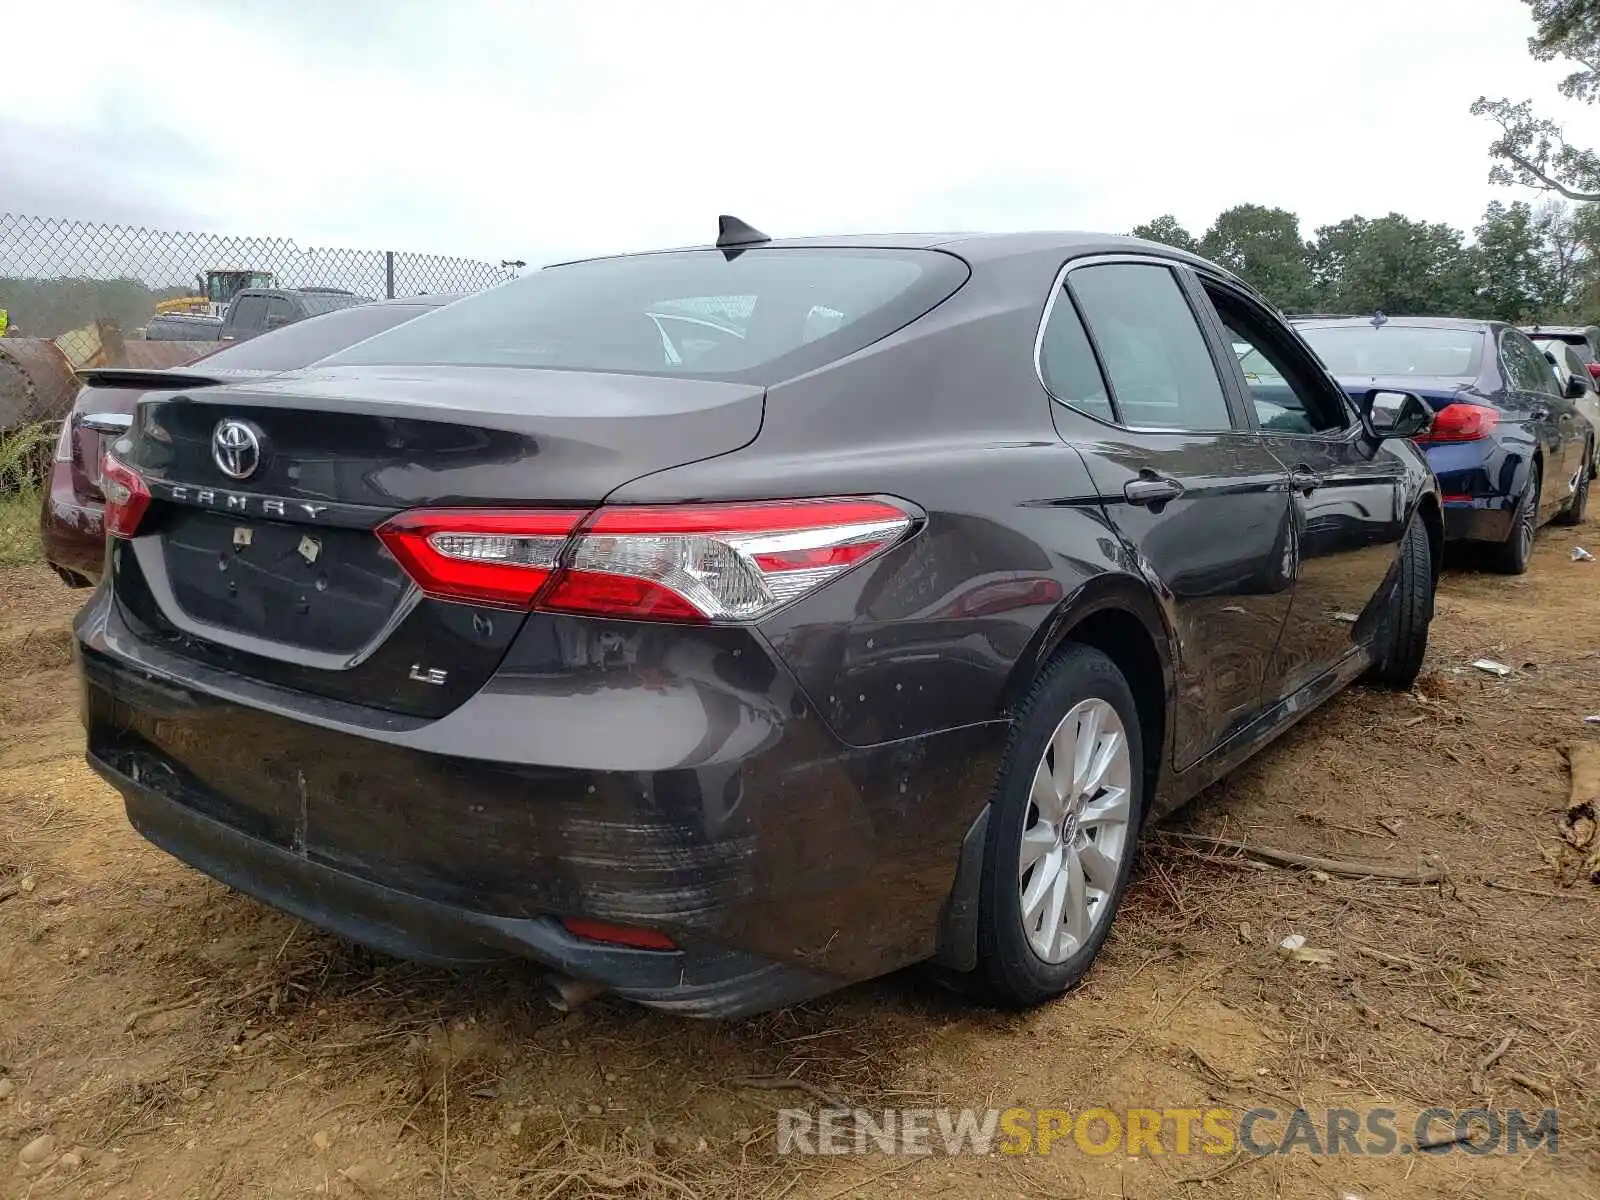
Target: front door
{"x":1346,"y":492}
{"x":1194,"y":493}
{"x":1560,"y":429}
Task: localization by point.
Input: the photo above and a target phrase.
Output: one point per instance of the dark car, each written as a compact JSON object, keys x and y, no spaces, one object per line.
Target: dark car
{"x":256,"y":311}
{"x":722,"y":673}
{"x":70,"y":521}
{"x":1584,"y":339}
{"x":1510,"y":449}
{"x":183,"y":327}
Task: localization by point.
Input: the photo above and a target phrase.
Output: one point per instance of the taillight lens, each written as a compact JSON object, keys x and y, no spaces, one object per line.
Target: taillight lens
{"x":714,"y":562}
{"x":1461,"y":422}
{"x":501,"y":558}
{"x":1594,"y":369}
{"x":695,"y":562}
{"x":126,"y":496}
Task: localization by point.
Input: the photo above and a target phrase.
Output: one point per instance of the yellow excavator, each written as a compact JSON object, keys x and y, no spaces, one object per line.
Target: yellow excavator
{"x":216,"y":290}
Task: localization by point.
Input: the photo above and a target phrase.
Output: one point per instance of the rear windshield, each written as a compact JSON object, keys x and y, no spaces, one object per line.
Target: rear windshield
{"x":305,"y":342}
{"x":763,"y":315}
{"x":1398,"y":350}
{"x":324,"y":302}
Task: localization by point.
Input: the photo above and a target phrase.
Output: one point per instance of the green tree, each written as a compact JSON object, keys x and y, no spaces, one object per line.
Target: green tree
{"x":1263,"y":247}
{"x":1393,"y":265}
{"x":1512,"y":263}
{"x":1531,"y":150}
{"x":1166,"y":230}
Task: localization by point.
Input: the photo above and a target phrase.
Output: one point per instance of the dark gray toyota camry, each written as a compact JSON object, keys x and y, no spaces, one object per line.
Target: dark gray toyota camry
{"x":718,"y":627}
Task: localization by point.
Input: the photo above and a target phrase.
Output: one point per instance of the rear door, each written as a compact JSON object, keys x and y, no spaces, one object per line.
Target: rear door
{"x":1346,"y":496}
{"x":1200,"y":501}
{"x":1554,"y":420}
{"x":247,"y":316}
{"x":281,"y":312}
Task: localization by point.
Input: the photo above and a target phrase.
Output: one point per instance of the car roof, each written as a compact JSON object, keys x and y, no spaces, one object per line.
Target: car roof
{"x":426,"y":300}
{"x":974,"y":247}
{"x":1555,"y":330}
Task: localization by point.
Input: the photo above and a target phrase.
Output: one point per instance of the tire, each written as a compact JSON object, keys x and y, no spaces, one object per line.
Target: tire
{"x":1511,"y":556}
{"x":1404,"y":640}
{"x":1080,"y":699}
{"x":1578,"y":507}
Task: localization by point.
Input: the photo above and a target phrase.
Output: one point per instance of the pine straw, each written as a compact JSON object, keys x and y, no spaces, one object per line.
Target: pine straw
{"x":1427,"y":981}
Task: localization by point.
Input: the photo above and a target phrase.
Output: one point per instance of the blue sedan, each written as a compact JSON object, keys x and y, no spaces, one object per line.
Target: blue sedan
{"x":1510,"y":450}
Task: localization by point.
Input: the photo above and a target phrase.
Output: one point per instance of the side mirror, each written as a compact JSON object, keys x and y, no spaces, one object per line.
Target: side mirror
{"x":1575,"y":388}
{"x":1396,"y":414}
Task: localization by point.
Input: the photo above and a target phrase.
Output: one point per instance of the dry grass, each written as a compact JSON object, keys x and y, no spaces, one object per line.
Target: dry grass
{"x":24,"y":469}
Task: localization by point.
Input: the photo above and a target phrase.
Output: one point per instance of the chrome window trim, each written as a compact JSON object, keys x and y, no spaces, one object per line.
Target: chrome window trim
{"x":1056,"y":290}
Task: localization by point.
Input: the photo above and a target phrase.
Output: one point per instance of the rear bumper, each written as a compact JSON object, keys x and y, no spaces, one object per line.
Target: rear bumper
{"x":673,"y":779}
{"x":697,"y":983}
{"x":1478,"y":482}
{"x":1483,"y":520}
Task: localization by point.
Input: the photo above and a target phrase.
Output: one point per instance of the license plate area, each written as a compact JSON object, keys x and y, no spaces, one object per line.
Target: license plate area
{"x":317,"y":588}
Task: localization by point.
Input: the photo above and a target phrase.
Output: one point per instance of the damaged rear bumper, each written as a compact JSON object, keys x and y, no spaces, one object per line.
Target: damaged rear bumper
{"x":717,"y":809}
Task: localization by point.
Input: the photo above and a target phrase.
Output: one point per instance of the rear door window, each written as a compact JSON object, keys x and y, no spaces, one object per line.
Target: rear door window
{"x":1527,"y":368}
{"x":1161,"y":372}
{"x":760,"y":315}
{"x":248,"y":314}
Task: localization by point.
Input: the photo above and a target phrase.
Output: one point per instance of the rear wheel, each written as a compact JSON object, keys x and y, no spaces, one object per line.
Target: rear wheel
{"x":1060,"y":844}
{"x":1511,"y":556}
{"x":1578,"y":507}
{"x":1404,"y":640}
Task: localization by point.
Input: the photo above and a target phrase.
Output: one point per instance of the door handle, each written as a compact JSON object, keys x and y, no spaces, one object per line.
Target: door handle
{"x":1151,"y":489}
{"x":1304,"y":479}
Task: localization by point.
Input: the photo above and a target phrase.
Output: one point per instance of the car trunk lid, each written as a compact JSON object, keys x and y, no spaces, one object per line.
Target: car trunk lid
{"x":262,"y":558}
{"x":1437,"y":391}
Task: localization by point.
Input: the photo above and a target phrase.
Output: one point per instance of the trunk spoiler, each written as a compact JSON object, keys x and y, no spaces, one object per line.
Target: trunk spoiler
{"x":147,"y":378}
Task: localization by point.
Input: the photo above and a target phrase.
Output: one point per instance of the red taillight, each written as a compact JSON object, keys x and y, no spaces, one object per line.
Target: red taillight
{"x":503,"y":558}
{"x":1594,"y":369}
{"x":1461,"y":422}
{"x":695,"y":562}
{"x":126,"y":495}
{"x":617,"y":935}
{"x":718,"y":562}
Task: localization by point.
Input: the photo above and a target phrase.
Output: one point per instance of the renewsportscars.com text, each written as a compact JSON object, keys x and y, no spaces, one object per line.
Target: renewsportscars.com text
{"x":1162,"y":1131}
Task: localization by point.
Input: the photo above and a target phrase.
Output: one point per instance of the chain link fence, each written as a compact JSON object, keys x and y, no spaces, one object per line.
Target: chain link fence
{"x":86,"y":284}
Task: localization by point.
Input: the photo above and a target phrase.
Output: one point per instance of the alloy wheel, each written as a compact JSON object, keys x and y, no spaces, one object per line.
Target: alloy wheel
{"x":1528,"y":518}
{"x":1076,"y":833}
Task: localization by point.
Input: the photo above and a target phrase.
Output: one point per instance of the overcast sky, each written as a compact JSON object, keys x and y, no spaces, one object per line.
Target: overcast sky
{"x":552,"y":128}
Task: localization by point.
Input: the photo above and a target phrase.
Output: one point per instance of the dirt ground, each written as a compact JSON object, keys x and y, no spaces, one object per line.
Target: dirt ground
{"x":178,"y":1040}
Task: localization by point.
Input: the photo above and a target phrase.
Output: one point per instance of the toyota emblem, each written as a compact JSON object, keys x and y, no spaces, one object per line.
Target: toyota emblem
{"x":236,"y":449}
